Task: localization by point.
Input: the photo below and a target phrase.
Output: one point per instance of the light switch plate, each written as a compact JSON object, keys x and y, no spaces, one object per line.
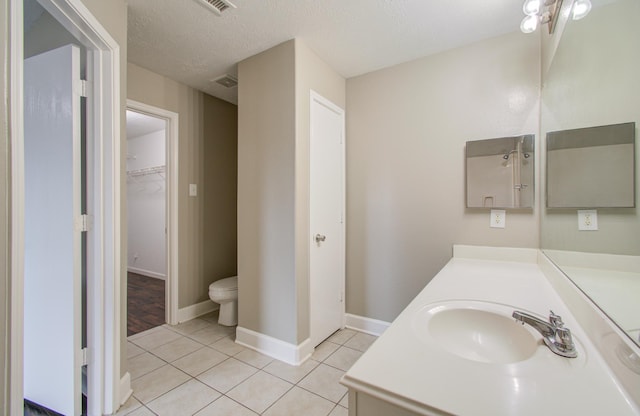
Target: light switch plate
{"x":193,"y":189}
{"x":588,"y":220}
{"x":498,"y":218}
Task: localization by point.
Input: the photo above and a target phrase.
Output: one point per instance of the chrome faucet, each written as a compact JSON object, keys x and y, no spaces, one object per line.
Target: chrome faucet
{"x":554,"y":334}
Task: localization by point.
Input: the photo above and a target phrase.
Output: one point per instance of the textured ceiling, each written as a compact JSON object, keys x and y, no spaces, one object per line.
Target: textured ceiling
{"x":185,"y":41}
{"x":139,"y":124}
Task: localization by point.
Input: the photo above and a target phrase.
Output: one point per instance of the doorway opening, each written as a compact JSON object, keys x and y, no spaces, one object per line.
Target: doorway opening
{"x":326,"y":218}
{"x":152,"y":216}
{"x":55,"y":198}
{"x":71,"y":185}
{"x":146,"y":221}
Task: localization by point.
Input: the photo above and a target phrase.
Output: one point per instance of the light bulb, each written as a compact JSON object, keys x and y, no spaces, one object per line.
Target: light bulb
{"x":529,"y":24}
{"x":581,"y":8}
{"x":531,"y":7}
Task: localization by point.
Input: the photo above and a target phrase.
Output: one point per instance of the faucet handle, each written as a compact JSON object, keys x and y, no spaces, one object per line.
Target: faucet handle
{"x":564,"y":339}
{"x":555,"y":320}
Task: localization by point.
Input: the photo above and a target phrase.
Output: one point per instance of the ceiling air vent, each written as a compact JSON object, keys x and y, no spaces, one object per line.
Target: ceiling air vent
{"x":227,"y":80}
{"x":218,"y":6}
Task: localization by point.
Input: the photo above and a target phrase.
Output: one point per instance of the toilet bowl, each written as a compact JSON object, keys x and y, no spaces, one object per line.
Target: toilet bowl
{"x":225,"y":292}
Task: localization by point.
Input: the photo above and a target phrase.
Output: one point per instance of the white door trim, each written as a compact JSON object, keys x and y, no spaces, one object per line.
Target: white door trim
{"x":315,"y":97}
{"x":104,"y":173}
{"x":16,"y":119}
{"x":172,"y":119}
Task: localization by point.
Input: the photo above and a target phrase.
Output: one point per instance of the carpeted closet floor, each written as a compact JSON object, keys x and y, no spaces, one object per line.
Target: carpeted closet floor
{"x":145,"y":303}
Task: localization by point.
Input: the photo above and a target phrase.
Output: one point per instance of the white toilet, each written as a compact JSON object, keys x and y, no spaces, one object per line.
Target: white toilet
{"x":225,"y":292}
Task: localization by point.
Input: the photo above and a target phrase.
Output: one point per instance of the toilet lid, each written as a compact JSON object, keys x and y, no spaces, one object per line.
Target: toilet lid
{"x":223,"y":285}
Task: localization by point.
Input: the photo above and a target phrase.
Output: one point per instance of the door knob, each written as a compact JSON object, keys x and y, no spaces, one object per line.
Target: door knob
{"x":320,"y":238}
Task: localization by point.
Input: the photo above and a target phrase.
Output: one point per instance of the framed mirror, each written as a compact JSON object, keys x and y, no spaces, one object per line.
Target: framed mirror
{"x":500,"y":172}
{"x":592,"y":80}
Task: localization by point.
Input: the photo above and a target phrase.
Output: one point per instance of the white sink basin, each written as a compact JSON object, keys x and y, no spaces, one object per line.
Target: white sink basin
{"x":477,"y":331}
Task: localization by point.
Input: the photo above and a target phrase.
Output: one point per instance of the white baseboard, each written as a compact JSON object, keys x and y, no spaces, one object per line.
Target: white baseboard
{"x":273,"y":347}
{"x":125,"y":388}
{"x":147,"y":273}
{"x":366,"y":325}
{"x":198,"y":309}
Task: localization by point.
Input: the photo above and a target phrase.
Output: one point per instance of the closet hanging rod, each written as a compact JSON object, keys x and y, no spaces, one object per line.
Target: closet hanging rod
{"x":147,"y":171}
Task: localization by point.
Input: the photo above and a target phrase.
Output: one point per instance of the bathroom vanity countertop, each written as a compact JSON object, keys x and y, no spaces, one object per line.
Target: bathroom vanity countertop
{"x":403,"y":369}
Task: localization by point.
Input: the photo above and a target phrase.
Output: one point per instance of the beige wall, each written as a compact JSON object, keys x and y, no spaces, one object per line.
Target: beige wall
{"x":406,"y":131}
{"x":5,"y":201}
{"x":593,"y":81}
{"x":207,"y":153}
{"x":273,"y":186}
{"x":219,"y":191}
{"x":266,"y":183}
{"x":311,"y":73}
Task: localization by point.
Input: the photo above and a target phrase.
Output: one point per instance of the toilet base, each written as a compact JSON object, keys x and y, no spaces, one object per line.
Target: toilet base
{"x":228,"y":314}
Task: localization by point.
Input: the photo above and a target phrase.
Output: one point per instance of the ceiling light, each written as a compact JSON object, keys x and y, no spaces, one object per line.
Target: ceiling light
{"x":531,"y":7}
{"x":540,"y":12}
{"x":529,"y":24}
{"x":581,"y":8}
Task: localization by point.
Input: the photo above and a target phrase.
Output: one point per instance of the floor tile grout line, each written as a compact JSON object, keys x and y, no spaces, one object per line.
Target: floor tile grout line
{"x":182,"y":356}
{"x":186,"y":381}
{"x":150,"y":351}
{"x":278,"y":399}
{"x":213,"y":342}
{"x":235,"y":401}
{"x":233,"y":356}
{"x":316,"y":394}
{"x":170,"y":328}
{"x":334,"y":408}
{"x":208,"y":404}
{"x":171,"y":363}
{"x":288,"y":381}
{"x":259,"y":369}
{"x":239,"y":383}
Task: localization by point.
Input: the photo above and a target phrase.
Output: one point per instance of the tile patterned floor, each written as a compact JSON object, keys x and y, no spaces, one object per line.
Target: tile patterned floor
{"x":196,"y":368}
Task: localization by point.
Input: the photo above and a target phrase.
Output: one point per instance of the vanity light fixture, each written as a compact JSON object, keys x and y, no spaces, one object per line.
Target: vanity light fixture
{"x":540,"y":12}
{"x":581,"y":8}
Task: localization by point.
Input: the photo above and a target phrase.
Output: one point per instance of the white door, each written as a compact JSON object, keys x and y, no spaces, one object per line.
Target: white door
{"x":52,"y":259}
{"x":327,"y":254}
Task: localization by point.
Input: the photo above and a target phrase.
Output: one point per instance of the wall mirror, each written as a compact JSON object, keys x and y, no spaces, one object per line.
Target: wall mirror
{"x":500,"y":172}
{"x":592,"y":80}
{"x":591,"y":167}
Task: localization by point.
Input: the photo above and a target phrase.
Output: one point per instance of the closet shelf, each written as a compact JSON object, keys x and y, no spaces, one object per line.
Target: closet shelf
{"x":147,"y":171}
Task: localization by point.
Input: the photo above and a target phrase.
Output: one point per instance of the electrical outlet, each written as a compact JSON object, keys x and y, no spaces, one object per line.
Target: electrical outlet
{"x":498,"y":218}
{"x":193,"y":189}
{"x":588,"y":220}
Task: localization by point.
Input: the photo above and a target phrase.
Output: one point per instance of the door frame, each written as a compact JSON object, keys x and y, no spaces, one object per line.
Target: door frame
{"x":171,"y":143}
{"x":103,"y":179}
{"x":315,"y":97}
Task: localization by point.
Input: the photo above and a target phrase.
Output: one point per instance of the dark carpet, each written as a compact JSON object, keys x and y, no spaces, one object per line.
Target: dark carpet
{"x":34,"y":409}
{"x":145,"y":303}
